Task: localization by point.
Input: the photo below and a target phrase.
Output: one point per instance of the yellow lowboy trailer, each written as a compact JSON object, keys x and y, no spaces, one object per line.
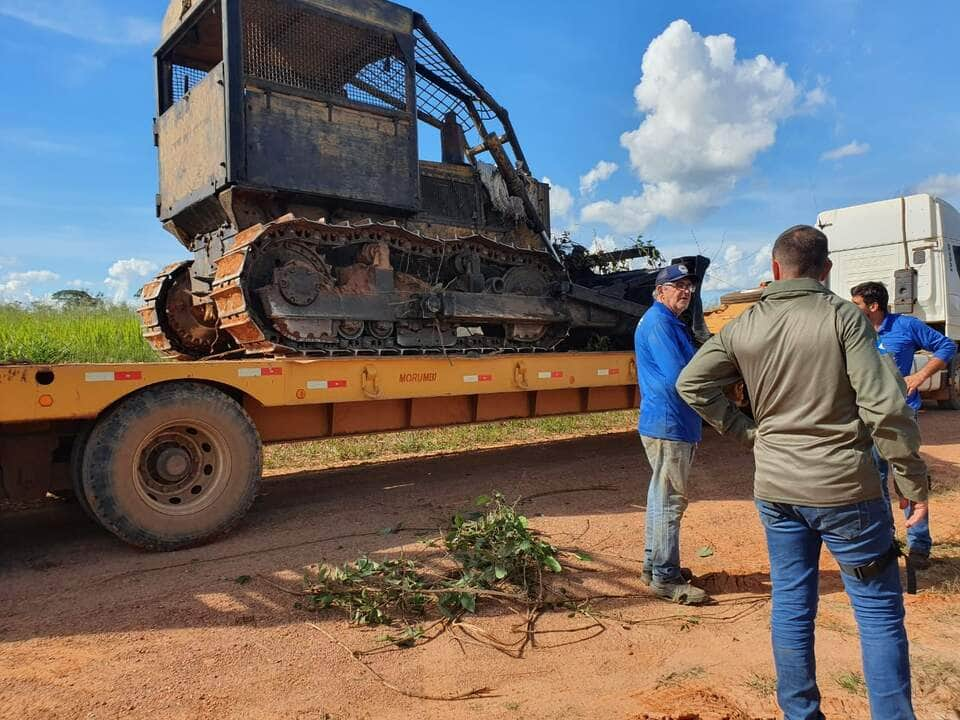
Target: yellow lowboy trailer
{"x":168,"y":455}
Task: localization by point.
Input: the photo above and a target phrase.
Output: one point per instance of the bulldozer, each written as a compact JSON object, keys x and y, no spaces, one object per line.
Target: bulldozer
{"x":293,"y":150}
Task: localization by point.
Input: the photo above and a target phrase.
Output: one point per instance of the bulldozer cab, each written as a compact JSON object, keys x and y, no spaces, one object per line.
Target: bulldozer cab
{"x":318,"y":102}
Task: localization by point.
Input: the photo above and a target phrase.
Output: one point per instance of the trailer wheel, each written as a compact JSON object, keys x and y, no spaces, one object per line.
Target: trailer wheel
{"x":76,"y":472}
{"x":953,"y":387}
{"x":172,"y":466}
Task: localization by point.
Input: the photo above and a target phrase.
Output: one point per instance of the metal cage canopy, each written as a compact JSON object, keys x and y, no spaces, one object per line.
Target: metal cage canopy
{"x":297,"y":46}
{"x":301,"y":44}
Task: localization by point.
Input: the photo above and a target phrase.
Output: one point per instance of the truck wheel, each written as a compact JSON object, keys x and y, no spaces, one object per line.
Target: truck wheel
{"x":76,"y":472}
{"x":172,"y":466}
{"x":953,"y":387}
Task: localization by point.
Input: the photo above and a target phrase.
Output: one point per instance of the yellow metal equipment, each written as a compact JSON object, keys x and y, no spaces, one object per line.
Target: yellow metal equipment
{"x":168,"y":455}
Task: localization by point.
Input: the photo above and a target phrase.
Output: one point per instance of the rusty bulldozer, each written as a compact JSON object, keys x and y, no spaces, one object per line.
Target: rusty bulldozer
{"x":289,"y":136}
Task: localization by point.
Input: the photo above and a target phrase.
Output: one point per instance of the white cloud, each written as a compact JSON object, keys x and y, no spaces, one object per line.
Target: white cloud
{"x":942,"y":185}
{"x":814,"y":99}
{"x":633,"y":214}
{"x":761,"y":263}
{"x":36,"y":141}
{"x":738,"y":269}
{"x":88,"y":20}
{"x":561,"y":203}
{"x":21,"y":286}
{"x":707,"y":116}
{"x":851,"y":149}
{"x":80,"y":284}
{"x":603,"y":243}
{"x":600,"y":172}
{"x":126,"y":275}
{"x":33,"y":276}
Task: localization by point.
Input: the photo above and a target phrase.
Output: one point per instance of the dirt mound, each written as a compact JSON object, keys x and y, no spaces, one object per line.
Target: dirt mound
{"x":730,"y":583}
{"x":688,"y":702}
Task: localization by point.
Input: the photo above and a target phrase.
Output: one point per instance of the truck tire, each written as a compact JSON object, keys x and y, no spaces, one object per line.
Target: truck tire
{"x":953,"y":387}
{"x":76,"y":472}
{"x":172,"y":466}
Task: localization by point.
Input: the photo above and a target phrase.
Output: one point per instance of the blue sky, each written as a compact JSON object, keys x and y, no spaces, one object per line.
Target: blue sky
{"x":705,"y":125}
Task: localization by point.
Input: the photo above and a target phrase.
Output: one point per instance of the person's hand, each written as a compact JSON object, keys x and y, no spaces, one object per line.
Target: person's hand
{"x":913,"y":383}
{"x":918,"y":511}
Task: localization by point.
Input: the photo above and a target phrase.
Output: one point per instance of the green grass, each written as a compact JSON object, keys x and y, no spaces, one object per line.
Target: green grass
{"x":852,"y":682}
{"x":43,"y":334}
{"x":448,"y":439}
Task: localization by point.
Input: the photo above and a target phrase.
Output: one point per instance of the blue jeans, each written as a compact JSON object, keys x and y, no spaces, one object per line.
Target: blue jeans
{"x":918,"y":536}
{"x":670,"y":461}
{"x":855,"y":535}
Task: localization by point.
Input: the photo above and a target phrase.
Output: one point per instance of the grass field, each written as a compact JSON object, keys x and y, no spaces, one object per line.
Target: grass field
{"x":45,"y":334}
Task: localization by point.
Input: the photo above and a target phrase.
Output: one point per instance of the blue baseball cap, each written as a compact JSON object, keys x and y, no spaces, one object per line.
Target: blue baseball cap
{"x":672,"y":273}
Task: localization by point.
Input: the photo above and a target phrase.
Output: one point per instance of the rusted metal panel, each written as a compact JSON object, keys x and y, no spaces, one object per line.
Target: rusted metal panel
{"x":434,"y":412}
{"x":305,"y":145}
{"x":377,"y":12}
{"x":192,"y":146}
{"x":180,"y":12}
{"x":612,"y":398}
{"x":447,"y":199}
{"x":502,"y":406}
{"x":559,"y":402}
{"x":370,"y":416}
{"x":287,"y":424}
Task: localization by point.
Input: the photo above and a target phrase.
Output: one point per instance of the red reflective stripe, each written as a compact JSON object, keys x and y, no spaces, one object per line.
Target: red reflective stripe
{"x":271,"y":371}
{"x":484,"y":378}
{"x":614,"y":371}
{"x":336,"y":383}
{"x":128,"y":375}
{"x":556,"y":374}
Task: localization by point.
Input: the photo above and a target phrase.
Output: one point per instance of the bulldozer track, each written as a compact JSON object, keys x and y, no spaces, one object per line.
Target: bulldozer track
{"x":152,"y":316}
{"x":418,"y":260}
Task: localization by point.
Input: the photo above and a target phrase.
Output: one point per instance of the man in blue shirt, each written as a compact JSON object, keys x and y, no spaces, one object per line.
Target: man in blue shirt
{"x":669,"y":430}
{"x":901,"y":336}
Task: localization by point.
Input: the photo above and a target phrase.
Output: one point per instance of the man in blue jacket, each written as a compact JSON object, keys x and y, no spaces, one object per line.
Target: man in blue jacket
{"x":669,"y":430}
{"x":901,"y":336}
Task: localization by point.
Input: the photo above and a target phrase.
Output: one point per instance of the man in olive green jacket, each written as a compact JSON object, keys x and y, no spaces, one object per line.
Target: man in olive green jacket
{"x":822,"y":396}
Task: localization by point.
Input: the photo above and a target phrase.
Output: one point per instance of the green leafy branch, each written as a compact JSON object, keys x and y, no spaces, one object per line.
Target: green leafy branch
{"x":495,"y":554}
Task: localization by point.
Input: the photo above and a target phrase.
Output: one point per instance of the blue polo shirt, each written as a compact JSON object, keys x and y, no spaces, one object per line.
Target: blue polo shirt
{"x":663,"y":347}
{"x":901,"y":336}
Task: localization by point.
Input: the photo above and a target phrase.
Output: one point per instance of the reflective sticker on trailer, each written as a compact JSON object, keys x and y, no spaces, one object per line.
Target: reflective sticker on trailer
{"x":113,"y":376}
{"x":325,"y":384}
{"x":477,"y":378}
{"x":603,"y":372}
{"x":550,"y":374}
{"x":259,"y":371}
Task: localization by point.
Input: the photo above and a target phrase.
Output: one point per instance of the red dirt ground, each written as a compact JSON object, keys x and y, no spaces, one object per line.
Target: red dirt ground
{"x":90,"y":628}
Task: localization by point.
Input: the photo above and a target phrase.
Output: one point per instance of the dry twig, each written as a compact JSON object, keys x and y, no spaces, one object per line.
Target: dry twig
{"x":469,"y":695}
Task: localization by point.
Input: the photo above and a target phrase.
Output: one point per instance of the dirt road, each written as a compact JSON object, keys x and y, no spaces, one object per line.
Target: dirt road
{"x":90,"y":628}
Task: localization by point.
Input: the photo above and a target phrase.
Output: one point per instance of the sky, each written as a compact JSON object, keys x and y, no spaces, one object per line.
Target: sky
{"x":707,"y":127}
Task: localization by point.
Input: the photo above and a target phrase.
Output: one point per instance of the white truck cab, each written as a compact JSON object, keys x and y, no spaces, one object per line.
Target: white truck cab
{"x":912,"y":245}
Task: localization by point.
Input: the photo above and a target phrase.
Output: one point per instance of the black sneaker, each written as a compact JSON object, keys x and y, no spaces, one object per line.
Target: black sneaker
{"x":919,"y":560}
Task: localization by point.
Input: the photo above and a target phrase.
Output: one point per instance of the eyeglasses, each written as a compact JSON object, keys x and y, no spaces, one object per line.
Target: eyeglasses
{"x":682,"y":287}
